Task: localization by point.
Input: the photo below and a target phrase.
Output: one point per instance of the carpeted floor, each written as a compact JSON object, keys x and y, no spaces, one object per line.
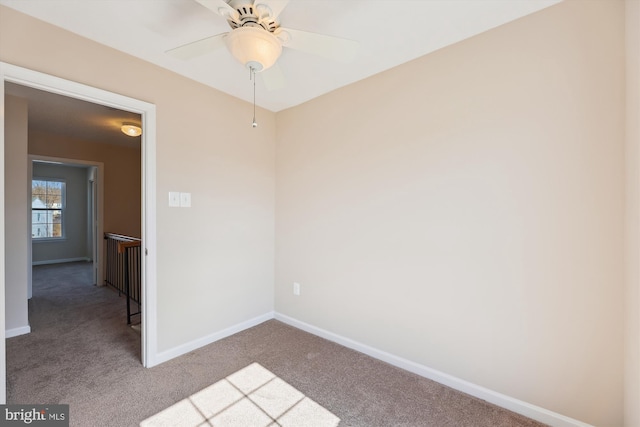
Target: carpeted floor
{"x":81,"y":352}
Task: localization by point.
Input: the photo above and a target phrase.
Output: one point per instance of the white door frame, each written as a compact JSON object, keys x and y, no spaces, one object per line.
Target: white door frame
{"x":23,"y":76}
{"x":95,"y":222}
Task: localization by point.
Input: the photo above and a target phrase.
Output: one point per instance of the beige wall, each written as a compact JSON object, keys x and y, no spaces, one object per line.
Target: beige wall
{"x":215,"y":260}
{"x":632,"y":295}
{"x":122,"y":176}
{"x":465,"y":210}
{"x":16,"y":201}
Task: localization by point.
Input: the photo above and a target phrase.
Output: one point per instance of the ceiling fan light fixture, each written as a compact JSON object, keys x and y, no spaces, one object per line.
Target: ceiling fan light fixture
{"x":254,"y":47}
{"x":131,"y":129}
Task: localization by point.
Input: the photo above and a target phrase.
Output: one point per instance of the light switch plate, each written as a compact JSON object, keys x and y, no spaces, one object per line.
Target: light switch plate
{"x":185,"y":200}
{"x":174,"y":199}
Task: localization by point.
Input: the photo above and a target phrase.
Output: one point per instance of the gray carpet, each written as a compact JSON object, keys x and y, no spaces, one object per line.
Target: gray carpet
{"x":81,"y":352}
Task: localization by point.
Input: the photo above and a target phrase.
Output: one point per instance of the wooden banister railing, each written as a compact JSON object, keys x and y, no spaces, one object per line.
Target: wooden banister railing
{"x":123,"y":271}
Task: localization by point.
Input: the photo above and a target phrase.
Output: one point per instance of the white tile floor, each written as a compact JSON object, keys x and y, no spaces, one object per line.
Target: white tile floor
{"x":250,"y":397}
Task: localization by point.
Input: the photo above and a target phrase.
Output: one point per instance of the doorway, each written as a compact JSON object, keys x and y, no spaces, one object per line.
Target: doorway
{"x":30,"y":78}
{"x":85,"y":198}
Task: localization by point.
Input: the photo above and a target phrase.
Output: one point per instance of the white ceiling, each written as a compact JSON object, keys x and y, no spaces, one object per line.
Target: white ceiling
{"x":71,"y":117}
{"x":389,"y":32}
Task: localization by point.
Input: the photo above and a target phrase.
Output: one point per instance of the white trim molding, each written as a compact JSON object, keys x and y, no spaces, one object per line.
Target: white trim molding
{"x":149,"y":260}
{"x":201,"y":342}
{"x":518,"y":406}
{"x":10,"y":333}
{"x":35,"y":79}
{"x":60,"y":261}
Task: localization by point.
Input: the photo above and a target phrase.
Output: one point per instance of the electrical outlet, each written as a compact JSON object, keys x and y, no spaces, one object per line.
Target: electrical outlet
{"x":296,"y":288}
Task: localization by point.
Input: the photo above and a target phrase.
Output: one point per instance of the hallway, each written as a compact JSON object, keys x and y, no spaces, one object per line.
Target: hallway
{"x":73,"y":325}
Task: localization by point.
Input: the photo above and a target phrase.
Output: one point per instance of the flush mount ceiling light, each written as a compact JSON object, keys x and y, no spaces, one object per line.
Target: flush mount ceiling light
{"x":131,"y":129}
{"x":254,"y":47}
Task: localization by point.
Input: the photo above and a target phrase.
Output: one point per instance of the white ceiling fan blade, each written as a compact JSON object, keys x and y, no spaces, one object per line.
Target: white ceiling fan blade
{"x":197,"y":48}
{"x":220,"y":7}
{"x":275,"y":6}
{"x":329,"y":47}
{"x":273,"y":77}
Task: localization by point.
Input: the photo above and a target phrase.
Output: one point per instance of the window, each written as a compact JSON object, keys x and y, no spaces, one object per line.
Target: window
{"x":47,"y":208}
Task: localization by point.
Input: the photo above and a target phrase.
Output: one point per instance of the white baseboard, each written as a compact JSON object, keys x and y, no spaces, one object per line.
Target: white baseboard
{"x":60,"y":261}
{"x":10,"y":333}
{"x":518,"y":406}
{"x":201,"y":342}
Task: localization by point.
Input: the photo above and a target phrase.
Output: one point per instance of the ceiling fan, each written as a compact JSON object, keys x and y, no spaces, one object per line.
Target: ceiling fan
{"x":256,"y":38}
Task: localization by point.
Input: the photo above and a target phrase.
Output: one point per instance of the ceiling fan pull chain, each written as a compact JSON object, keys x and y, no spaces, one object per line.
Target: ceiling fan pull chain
{"x":252,"y":75}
